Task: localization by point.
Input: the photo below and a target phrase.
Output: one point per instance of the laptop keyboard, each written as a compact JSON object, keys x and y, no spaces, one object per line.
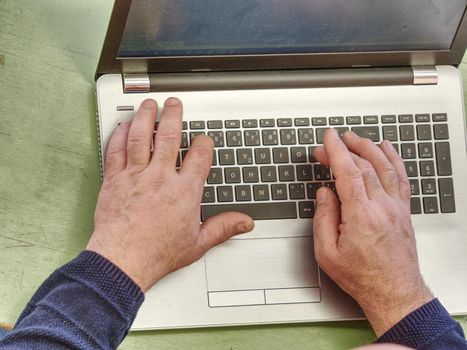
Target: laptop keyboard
{"x":266,"y":168}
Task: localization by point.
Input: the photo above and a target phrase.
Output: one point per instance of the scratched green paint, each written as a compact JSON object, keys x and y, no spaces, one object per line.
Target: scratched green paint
{"x":49,"y":175}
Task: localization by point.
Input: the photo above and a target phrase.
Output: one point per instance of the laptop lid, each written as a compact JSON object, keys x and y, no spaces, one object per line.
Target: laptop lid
{"x":159,"y":36}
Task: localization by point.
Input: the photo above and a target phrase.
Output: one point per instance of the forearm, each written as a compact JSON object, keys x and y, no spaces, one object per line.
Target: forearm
{"x":87,"y":304}
{"x":430,"y":327}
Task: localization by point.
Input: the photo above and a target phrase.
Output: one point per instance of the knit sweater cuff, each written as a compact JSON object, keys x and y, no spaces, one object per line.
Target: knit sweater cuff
{"x":107,"y":280}
{"x":421,"y":326}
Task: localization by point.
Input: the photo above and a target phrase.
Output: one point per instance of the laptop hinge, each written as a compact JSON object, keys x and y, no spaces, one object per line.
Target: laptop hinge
{"x":425,"y":75}
{"x":136,"y":83}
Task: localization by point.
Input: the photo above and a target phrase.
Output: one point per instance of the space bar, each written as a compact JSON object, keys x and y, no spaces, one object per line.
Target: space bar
{"x":260,"y":211}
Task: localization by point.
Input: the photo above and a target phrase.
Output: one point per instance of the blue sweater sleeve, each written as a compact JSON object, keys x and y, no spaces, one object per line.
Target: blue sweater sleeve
{"x":87,"y":304}
{"x":430,"y":327}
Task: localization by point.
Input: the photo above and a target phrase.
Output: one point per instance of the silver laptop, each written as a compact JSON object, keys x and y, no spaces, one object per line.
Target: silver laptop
{"x":265,"y":78}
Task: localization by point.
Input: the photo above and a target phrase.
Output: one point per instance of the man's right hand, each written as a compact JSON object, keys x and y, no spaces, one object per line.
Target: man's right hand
{"x":366,"y":243}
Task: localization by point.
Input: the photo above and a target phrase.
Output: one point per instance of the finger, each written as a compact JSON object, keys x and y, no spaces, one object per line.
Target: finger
{"x":398,"y":164}
{"x":115,"y":158}
{"x":326,"y":223}
{"x":222,"y":227}
{"x":198,"y":160}
{"x":366,"y":149}
{"x":169,"y":135}
{"x":140,"y":135}
{"x":321,"y":156}
{"x":373,"y":185}
{"x":349,"y":180}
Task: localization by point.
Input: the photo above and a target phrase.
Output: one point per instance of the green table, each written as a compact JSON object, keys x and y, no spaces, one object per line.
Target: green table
{"x":49,"y":173}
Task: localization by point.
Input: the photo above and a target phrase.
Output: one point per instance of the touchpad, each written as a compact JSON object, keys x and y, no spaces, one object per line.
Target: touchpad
{"x":262,"y":271}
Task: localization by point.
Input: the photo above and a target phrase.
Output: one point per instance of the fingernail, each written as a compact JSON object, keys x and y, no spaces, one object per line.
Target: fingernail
{"x":149,"y":104}
{"x":321,"y":196}
{"x":351,"y":134}
{"x":389,"y":146}
{"x":243,"y":227}
{"x":172,"y":101}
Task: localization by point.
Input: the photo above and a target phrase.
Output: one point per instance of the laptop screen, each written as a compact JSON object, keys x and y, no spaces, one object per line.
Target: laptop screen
{"x":164,"y":28}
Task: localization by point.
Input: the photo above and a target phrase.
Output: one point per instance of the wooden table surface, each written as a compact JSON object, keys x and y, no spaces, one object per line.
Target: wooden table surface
{"x":49,"y":172}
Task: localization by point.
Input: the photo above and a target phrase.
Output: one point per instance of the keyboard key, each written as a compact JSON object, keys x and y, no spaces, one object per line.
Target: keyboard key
{"x":429,"y":186}
{"x":443,"y":158}
{"x":198,"y":124}
{"x":297,"y":191}
{"x":304,"y":172}
{"x":184,"y":143}
{"x":215,"y":124}
{"x":270,"y":137}
{"x":408,"y":150}
{"x":414,"y":187}
{"x":224,"y":194}
{"x":263,"y":156}
{"x":322,"y":172}
{"x":440,"y":117}
{"x":407,"y":132}
{"x":234,"y":138}
{"x":353,"y":120}
{"x":331,"y":186}
{"x":268,"y":174}
{"x":422,"y":118}
{"x":185,"y":125}
{"x":427,"y":168}
{"x":218,"y":137}
{"x":388,"y":119}
{"x":318,"y":121}
{"x":215,"y":176}
{"x":288,"y":137}
{"x":396,"y":147}
{"x":280,"y":155}
{"x":243,"y":193}
{"x":441,"y":131}
{"x":209,"y":195}
{"x":424,"y":132}
{"x":252,"y":138}
{"x":341,"y":131}
{"x":312,"y":188}
{"x":214,"y":158}
{"x":369,"y":132}
{"x":298,"y":154}
{"x":250,"y":123}
{"x":283,"y":122}
{"x":286,"y":173}
{"x":267,"y":123}
{"x":261,"y":192}
{"x":179,"y":162}
{"x":425,"y":150}
{"x":232,"y":124}
{"x":415,"y":205}
{"x":311,"y":154}
{"x":250,"y":174}
{"x":336,"y":121}
{"x":193,"y":134}
{"x":411,"y":168}
{"x":320,"y":135}
{"x":305,"y":136}
{"x":306,"y":210}
{"x":446,"y":195}
{"x":430,"y":205}
{"x":370,"y":119}
{"x":279,"y":192}
{"x":226,"y":157}
{"x":302,"y":121}
{"x":390,"y":133}
{"x":232,"y":175}
{"x":405,"y":118}
{"x":245,"y":156}
{"x":257,"y":211}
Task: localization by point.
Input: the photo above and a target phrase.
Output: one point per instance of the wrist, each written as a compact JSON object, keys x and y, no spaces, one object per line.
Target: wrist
{"x":385,"y":311}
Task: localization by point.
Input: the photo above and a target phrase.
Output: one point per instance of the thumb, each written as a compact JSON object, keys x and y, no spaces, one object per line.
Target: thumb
{"x":222,"y":227}
{"x":326,"y":220}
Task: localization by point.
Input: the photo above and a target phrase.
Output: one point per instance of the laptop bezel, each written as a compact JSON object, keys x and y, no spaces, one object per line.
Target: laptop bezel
{"x":110,"y":64}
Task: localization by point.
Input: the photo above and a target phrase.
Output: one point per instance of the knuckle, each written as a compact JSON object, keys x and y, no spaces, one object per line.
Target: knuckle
{"x":137,"y":139}
{"x":168,"y":136}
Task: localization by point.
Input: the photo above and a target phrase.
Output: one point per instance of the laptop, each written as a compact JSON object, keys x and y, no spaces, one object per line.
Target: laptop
{"x":265,"y":79}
